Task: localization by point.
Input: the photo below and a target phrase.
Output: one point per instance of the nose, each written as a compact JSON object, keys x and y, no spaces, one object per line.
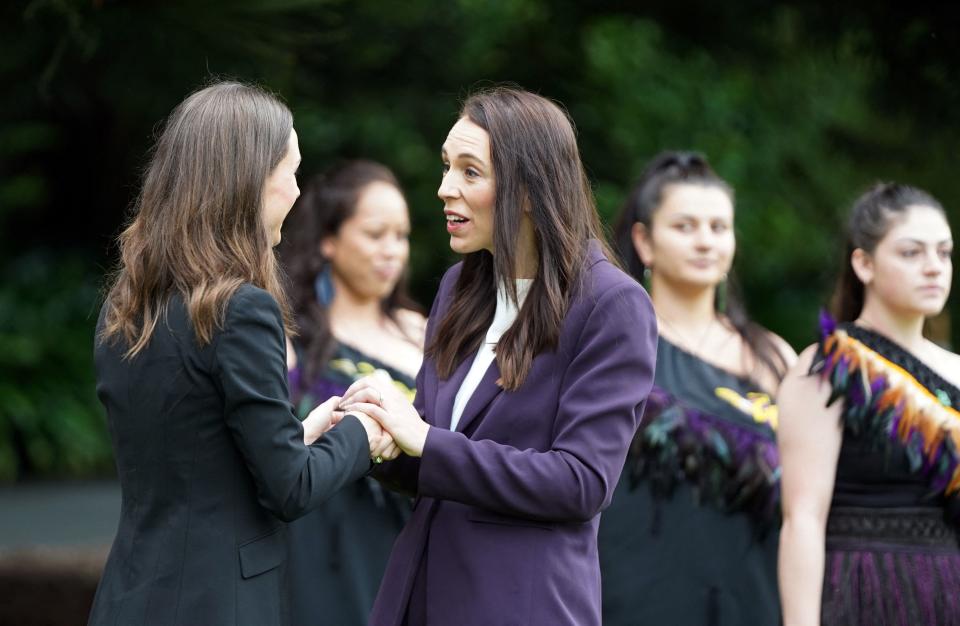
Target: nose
{"x":703,"y":237}
{"x":933,"y":265}
{"x":393,"y":246}
{"x":448,"y":188}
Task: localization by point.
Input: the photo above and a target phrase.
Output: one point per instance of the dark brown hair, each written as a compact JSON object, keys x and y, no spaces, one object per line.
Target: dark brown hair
{"x":871,"y":218}
{"x":537,"y":168}
{"x":197,"y":228}
{"x":689,"y":168}
{"x":328,"y":200}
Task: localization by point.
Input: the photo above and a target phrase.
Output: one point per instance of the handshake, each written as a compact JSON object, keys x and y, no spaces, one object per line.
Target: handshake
{"x":392,"y":424}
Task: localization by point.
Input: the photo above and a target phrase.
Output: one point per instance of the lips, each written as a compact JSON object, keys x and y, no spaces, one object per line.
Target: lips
{"x":455,"y":221}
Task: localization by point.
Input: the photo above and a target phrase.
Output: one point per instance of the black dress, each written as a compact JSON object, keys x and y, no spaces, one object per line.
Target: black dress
{"x":691,"y":535}
{"x":892,"y":552}
{"x":339,"y":552}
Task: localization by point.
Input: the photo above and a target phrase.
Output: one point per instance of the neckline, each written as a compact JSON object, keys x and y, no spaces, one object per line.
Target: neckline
{"x":893,"y":351}
{"x":743,"y":379}
{"x":378,"y":363}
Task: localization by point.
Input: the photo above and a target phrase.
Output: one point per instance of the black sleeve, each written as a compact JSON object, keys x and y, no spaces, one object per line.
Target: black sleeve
{"x":250,"y":365}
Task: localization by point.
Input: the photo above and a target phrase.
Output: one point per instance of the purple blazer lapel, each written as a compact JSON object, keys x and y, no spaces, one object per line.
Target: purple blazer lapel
{"x":447,"y":393}
{"x":486,"y":391}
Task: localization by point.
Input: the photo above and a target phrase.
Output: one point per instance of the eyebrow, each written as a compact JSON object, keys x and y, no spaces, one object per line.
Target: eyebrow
{"x":696,"y":218}
{"x":942,"y":242}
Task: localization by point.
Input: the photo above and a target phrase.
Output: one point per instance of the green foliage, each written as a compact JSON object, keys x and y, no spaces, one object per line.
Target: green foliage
{"x":796,"y":107}
{"x":50,"y":421}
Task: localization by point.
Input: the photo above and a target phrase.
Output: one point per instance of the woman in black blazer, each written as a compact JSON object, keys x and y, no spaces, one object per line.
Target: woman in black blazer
{"x":191,"y":367}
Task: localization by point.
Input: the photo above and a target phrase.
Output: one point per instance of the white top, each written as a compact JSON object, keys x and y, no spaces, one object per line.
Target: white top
{"x":503,"y":318}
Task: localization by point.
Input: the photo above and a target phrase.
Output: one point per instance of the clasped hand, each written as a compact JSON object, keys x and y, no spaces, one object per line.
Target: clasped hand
{"x":328,"y":414}
{"x":376,"y":397}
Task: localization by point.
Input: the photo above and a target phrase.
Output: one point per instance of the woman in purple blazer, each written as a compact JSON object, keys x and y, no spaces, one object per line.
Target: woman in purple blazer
{"x":540,"y":355}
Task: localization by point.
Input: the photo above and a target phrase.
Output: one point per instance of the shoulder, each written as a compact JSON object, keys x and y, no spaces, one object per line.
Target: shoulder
{"x":947,"y":364}
{"x":804,"y":361}
{"x":785,"y":349}
{"x":799,"y":388}
{"x":248,"y":295}
{"x":412,"y":323}
{"x":250,"y":303}
{"x":603,"y":283}
{"x":450,"y":278}
{"x":411,"y":319}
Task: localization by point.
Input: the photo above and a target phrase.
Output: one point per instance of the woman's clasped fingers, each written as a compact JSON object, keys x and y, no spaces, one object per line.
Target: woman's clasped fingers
{"x":364,"y":390}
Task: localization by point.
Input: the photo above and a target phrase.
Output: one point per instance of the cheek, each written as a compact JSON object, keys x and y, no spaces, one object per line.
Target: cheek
{"x":728,"y":247}
{"x":669,"y":246}
{"x":889,"y":280}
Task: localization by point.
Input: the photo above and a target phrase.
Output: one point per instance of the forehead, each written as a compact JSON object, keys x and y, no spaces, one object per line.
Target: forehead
{"x":467,"y":137}
{"x":293,"y":146}
{"x":380,"y":200}
{"x":920,"y":223}
{"x":695,"y":200}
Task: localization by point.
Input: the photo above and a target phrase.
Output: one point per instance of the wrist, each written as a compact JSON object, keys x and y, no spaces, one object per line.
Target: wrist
{"x":420,"y":440}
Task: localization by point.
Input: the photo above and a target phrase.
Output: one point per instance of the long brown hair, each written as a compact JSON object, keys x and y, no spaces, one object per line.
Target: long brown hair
{"x":196,"y":227}
{"x":328,"y":200}
{"x":538,"y":171}
{"x":871,"y":218}
{"x":690,"y":168}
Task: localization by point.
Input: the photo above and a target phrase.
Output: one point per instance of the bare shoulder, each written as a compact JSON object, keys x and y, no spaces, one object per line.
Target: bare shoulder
{"x":412,"y":323}
{"x":947,"y":364}
{"x":798,"y":385}
{"x":786,"y":351}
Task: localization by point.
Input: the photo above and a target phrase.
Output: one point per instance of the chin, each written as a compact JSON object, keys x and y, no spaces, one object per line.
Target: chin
{"x":462,"y":247}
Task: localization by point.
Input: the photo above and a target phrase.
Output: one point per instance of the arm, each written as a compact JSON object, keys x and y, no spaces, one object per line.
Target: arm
{"x":250,"y":365}
{"x":809,"y":437}
{"x":603,"y":390}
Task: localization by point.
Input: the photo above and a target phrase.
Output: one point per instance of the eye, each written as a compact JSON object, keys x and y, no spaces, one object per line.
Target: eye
{"x":909,"y":254}
{"x":445,"y":168}
{"x":720,"y":227}
{"x":946,"y":253}
{"x":684,"y":227}
{"x":471,"y":173}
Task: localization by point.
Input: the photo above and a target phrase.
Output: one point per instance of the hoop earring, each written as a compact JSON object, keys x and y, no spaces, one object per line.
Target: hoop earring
{"x":323,"y":286}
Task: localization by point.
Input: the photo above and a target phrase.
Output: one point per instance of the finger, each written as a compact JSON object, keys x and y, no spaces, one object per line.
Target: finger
{"x":392,"y":452}
{"x":385,"y":442}
{"x":372,"y":410}
{"x":353,"y":389}
{"x":366,"y":394}
{"x":331,"y":402}
{"x":381,"y":376}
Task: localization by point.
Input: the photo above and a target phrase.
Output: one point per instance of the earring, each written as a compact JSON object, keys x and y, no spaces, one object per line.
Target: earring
{"x":721,"y":296}
{"x":647,"y":275}
{"x":323,"y":286}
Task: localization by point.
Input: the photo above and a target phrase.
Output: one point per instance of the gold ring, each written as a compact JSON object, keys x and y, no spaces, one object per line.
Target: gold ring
{"x":378,"y":460}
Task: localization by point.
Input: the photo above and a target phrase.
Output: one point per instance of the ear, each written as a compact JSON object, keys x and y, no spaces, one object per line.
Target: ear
{"x":328,"y":247}
{"x":862,"y":264}
{"x":642,"y":243}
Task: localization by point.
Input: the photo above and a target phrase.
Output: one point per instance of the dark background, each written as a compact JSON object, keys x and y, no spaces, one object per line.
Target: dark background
{"x":799,"y":105}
